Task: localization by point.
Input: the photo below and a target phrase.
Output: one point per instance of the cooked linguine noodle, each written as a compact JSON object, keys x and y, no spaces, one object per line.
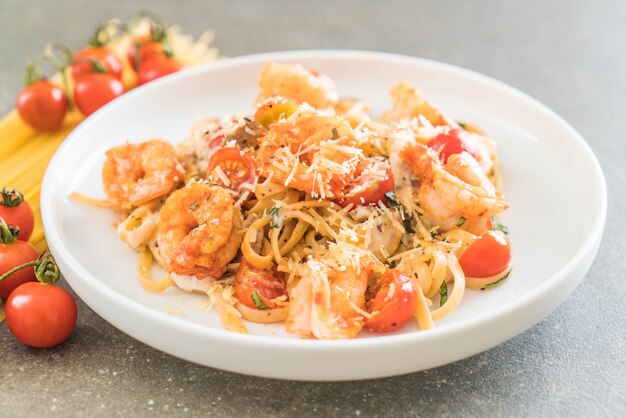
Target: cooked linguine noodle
{"x":310,"y":212}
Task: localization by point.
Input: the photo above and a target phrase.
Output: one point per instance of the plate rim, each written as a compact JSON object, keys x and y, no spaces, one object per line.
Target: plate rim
{"x":588,"y":249}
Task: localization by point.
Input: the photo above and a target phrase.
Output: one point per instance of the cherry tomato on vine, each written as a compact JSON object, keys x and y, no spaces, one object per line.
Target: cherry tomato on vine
{"x":368,"y":188}
{"x":41,"y":315}
{"x":42,"y":105}
{"x":487,"y":256}
{"x":16,"y":211}
{"x":93,"y":91}
{"x":236,"y":165}
{"x":14,"y":253}
{"x":157,"y":67}
{"x":256,"y":288}
{"x":394,"y":302}
{"x":452,"y":142}
{"x":148,"y":49}
{"x":83,"y":62}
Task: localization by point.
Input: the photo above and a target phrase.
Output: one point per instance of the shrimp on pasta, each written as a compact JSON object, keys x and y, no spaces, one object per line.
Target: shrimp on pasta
{"x":308,"y":211}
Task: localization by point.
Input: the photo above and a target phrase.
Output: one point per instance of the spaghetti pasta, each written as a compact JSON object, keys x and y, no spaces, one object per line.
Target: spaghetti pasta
{"x":327,"y":225}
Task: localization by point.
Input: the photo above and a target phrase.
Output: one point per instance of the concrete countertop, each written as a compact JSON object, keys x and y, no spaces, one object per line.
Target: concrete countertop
{"x":570,"y":55}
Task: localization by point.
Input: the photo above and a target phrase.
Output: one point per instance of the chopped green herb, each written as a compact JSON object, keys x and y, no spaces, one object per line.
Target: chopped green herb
{"x":392,"y":199}
{"x":499,"y":227}
{"x":335,"y":134}
{"x":277,"y":220}
{"x":394,"y":203}
{"x":462,"y":124}
{"x":408,"y":228}
{"x":461,"y":221}
{"x":258,"y":302}
{"x":443,"y":293}
{"x":194,"y":205}
{"x":494,"y":284}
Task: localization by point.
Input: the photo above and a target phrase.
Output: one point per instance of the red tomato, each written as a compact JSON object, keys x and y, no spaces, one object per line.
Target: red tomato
{"x":236,"y":165}
{"x":489,"y":255}
{"x":15,"y":211}
{"x":13,"y":255}
{"x":394,"y":302}
{"x":93,"y":91}
{"x":157,"y":67}
{"x":450,"y":143}
{"x":83,"y":66}
{"x":148,"y":49}
{"x":41,"y":315}
{"x":368,"y":188}
{"x":256,"y":288}
{"x":42,"y":105}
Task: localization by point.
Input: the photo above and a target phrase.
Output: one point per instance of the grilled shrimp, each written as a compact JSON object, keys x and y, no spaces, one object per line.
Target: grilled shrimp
{"x":197,"y":230}
{"x":296,"y":83}
{"x":311,"y":153}
{"x":455,"y":192}
{"x":327,"y":303}
{"x":409,"y":103}
{"x":135,"y":174}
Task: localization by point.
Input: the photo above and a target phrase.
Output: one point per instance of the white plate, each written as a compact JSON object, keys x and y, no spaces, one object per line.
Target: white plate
{"x":553,"y":182}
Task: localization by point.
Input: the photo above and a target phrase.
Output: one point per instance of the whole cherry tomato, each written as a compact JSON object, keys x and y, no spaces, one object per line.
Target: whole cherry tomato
{"x":487,"y":256}
{"x":257,"y":288}
{"x":157,"y":67}
{"x":14,"y":253}
{"x":93,"y":91}
{"x":16,"y":211}
{"x":41,"y":315}
{"x":83,"y":62}
{"x":42,"y":105}
{"x":394,"y":302}
{"x":149,"y":48}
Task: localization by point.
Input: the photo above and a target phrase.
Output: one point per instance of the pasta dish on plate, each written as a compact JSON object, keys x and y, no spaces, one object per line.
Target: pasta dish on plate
{"x":309,"y":211}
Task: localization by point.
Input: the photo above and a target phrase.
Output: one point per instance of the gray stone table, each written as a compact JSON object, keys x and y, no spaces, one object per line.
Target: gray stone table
{"x":570,"y":55}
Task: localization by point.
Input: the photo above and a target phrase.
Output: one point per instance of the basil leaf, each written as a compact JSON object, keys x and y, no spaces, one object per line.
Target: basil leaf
{"x":494,"y":284}
{"x":500,"y":227}
{"x":407,"y":224}
{"x":277,"y":220}
{"x":258,"y":302}
{"x":443,"y":292}
{"x":461,"y":221}
{"x":392,"y":199}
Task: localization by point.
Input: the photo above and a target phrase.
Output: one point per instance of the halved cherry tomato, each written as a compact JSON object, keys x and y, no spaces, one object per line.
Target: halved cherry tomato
{"x":257,"y":288}
{"x":368,"y":189}
{"x":148,"y":49}
{"x":83,"y":62}
{"x":42,"y":105}
{"x":238,"y":167}
{"x":93,"y":91}
{"x":487,"y":256}
{"x":450,"y":143}
{"x":14,"y":253}
{"x":157,"y":67}
{"x":41,"y":315}
{"x":394,"y":302}
{"x":16,"y":211}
